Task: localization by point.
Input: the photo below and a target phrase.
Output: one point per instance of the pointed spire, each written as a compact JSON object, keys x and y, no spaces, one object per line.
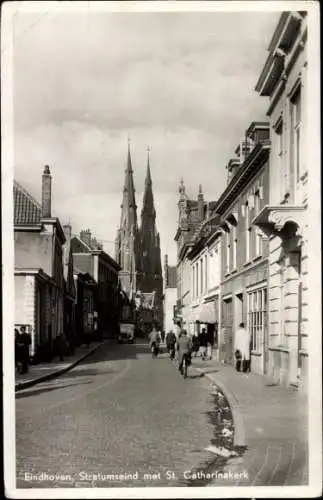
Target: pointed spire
{"x":148,"y":174}
{"x":148,"y":199}
{"x":129,"y":213}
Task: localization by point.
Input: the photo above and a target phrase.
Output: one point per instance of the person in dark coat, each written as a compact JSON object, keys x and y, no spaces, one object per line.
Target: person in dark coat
{"x":203,"y":343}
{"x":170,"y":343}
{"x":18,"y":349}
{"x":195,"y":344}
{"x":24,"y":342}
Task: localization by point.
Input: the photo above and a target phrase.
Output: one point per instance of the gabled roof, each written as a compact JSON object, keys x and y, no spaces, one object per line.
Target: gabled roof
{"x":27,"y":210}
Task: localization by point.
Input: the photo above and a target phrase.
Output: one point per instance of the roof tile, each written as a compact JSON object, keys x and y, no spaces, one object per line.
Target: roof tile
{"x":27,"y":210}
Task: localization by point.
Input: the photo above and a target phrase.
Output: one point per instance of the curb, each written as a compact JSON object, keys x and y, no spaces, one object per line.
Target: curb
{"x":49,"y":376}
{"x":239,"y":429}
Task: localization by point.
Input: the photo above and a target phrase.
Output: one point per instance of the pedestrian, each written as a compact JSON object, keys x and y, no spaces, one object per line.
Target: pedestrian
{"x":210,"y":341}
{"x":154,"y":337}
{"x":18,"y":349}
{"x":242,"y":348}
{"x":184,"y":347}
{"x":60,"y":347}
{"x":25,"y":342}
{"x":178,"y":329}
{"x":170,"y":343}
{"x":195,"y":344}
{"x":203,"y":343}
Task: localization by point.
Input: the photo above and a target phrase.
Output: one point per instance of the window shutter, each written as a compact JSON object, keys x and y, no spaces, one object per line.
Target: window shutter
{"x":243,"y":210}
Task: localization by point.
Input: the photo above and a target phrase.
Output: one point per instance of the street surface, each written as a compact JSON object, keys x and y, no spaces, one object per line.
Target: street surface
{"x":118,"y":413}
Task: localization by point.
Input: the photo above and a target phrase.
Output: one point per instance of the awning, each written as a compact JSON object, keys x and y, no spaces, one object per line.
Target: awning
{"x":204,"y":313}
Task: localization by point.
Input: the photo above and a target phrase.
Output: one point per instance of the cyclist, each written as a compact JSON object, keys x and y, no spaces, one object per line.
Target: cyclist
{"x":184,"y":347}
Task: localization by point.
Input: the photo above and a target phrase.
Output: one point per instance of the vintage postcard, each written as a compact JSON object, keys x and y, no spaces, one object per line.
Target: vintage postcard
{"x":161,"y":249}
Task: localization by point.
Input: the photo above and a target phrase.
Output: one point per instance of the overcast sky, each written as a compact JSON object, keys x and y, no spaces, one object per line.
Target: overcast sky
{"x":182,"y":83}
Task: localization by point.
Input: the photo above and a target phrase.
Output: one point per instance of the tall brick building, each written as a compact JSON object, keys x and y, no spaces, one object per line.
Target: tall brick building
{"x":138,"y":251}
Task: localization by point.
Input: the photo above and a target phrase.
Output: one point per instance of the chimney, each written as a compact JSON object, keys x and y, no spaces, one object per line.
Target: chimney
{"x":46,"y":198}
{"x":85,"y":236}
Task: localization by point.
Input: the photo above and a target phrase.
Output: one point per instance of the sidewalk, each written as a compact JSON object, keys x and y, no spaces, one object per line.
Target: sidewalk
{"x":270,"y":426}
{"x":47,"y":371}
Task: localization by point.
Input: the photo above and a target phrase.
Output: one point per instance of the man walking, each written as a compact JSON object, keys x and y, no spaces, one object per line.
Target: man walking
{"x":242,"y":348}
{"x":24,"y":340}
{"x":184,"y":346}
{"x":203,"y":343}
{"x":170,"y":343}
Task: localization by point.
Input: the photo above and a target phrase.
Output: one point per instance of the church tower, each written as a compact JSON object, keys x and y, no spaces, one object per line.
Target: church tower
{"x":150,"y":278}
{"x":126,"y":245}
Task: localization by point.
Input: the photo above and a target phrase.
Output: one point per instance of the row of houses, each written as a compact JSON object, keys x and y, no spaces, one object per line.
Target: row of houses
{"x":66,"y":285}
{"x":243,"y":257}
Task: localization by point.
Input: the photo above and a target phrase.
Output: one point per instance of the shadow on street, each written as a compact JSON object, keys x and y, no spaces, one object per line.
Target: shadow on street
{"x":115,"y":351}
{"x":35,"y":392}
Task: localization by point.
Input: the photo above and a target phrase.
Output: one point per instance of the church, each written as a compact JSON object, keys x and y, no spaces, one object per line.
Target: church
{"x":137,"y":251}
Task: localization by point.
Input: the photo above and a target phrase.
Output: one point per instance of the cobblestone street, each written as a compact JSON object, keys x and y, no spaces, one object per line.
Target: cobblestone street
{"x":120,"y":411}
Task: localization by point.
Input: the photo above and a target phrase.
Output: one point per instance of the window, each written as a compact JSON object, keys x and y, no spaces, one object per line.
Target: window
{"x":258,"y":243}
{"x":282,"y":272}
{"x":296,"y":125}
{"x":258,"y":237}
{"x":257,"y":318}
{"x":227,"y":250}
{"x":248,"y":233}
{"x":206,"y":273}
{"x":197,"y":279}
{"x":235,"y":241}
{"x":193,"y":280}
{"x":202,"y":289}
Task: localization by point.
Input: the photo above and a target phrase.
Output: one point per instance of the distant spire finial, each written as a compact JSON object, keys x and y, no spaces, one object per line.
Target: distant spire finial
{"x":181,"y":186}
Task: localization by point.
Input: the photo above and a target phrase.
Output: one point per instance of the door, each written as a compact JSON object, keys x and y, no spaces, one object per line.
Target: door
{"x":227,"y":331}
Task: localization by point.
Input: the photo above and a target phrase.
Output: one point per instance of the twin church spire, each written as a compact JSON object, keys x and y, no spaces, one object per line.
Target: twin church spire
{"x":138,"y":248}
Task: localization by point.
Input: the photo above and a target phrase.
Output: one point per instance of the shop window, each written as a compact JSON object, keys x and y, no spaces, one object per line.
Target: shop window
{"x":257,"y":318}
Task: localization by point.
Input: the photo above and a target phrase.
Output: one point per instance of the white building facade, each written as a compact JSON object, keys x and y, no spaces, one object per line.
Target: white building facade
{"x":284,"y":220}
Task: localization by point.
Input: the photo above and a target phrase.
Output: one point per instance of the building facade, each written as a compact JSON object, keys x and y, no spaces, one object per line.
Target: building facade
{"x":39,"y":273}
{"x":170,"y":295}
{"x":89,"y":258}
{"x":283,"y":220}
{"x":70,"y":289}
{"x":244,"y":263}
{"x":205,"y":256}
{"x":192,"y":214}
